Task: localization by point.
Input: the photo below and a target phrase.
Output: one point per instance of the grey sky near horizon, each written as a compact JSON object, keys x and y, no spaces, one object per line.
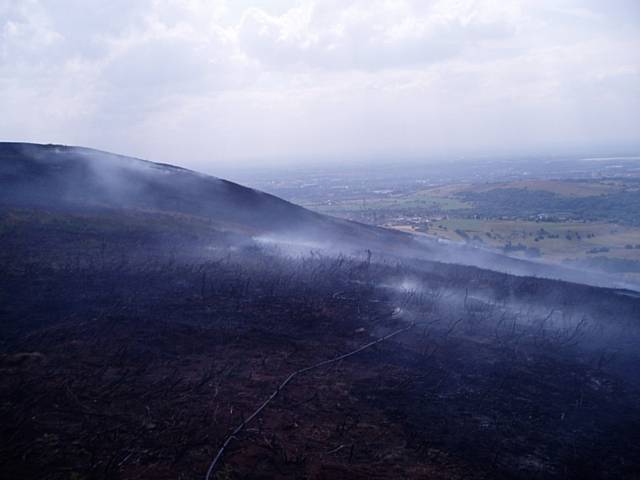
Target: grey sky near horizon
{"x":203,"y":83}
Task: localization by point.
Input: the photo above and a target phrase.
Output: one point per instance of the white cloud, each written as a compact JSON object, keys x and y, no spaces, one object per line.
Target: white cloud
{"x":197,"y":81}
{"x":369,"y":35}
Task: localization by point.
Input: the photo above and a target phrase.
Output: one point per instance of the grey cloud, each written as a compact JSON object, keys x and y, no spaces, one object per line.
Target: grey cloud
{"x":198,"y":81}
{"x":365,"y":39}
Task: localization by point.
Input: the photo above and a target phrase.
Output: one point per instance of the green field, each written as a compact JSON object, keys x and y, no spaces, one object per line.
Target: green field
{"x":592,"y":222}
{"x":602,"y":246}
{"x":422,"y":199}
{"x":572,"y":238}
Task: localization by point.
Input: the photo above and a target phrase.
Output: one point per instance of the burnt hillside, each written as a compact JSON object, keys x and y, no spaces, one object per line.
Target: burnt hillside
{"x":82,"y":179}
{"x":146,"y":312}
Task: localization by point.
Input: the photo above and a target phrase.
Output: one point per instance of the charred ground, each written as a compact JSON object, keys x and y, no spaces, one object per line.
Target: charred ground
{"x":134,"y":340}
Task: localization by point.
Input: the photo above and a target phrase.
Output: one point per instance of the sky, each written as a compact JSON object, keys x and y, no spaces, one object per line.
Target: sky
{"x":207,"y":83}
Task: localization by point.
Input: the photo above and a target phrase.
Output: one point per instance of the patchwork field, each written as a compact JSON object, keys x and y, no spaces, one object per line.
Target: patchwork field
{"x":559,"y":240}
{"x":591,"y":223}
{"x":565,"y":188}
{"x":391,"y":202}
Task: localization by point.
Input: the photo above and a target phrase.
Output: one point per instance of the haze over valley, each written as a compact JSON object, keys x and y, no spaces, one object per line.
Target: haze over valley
{"x":577,"y":211}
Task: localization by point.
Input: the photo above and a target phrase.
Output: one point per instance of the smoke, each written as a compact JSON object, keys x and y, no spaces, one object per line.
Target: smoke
{"x":572,"y":321}
{"x":447,"y":287}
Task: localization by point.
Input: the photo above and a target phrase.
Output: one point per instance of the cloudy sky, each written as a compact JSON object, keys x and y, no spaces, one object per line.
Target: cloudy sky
{"x":205,"y":82}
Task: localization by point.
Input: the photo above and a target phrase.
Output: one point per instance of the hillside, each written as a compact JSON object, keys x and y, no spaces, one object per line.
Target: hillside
{"x":75,"y":179}
{"x":82,"y":181}
{"x":148,"y":311}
